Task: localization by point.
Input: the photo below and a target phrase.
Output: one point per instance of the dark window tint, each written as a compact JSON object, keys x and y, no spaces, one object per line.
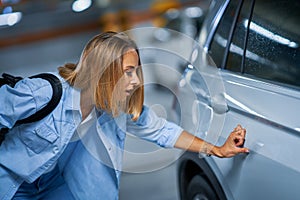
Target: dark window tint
{"x":218,"y":45}
{"x":274,"y":39}
{"x":236,"y":50}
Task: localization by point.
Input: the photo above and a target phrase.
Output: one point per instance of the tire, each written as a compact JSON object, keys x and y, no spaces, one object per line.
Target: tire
{"x":200,"y":189}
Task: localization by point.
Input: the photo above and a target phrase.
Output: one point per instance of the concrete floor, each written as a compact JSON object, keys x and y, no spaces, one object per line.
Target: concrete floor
{"x":156,"y":185}
{"x":152,"y":174}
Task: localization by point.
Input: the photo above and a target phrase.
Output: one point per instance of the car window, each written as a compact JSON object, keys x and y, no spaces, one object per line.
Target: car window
{"x":218,"y":45}
{"x":273,"y":43}
{"x":231,"y":30}
{"x":237,"y":46}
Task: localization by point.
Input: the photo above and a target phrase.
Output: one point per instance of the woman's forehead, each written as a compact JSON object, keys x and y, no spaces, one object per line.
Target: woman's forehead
{"x":130,"y":58}
{"x":131,"y":52}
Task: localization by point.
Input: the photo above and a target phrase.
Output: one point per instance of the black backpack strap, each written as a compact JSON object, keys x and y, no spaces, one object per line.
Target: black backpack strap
{"x":10,"y":80}
{"x":56,"y":96}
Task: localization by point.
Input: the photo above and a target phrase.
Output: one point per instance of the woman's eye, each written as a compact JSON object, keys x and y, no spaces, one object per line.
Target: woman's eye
{"x":128,"y":73}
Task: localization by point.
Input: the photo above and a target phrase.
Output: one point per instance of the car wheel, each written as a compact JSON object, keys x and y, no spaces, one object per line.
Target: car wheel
{"x":200,"y":189}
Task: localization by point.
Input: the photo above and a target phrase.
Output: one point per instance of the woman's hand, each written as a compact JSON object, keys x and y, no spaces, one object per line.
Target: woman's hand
{"x":232,"y":146}
{"x":234,"y":143}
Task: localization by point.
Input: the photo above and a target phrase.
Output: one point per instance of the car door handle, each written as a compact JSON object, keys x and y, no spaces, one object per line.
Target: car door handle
{"x":218,"y":104}
{"x":216,"y":100}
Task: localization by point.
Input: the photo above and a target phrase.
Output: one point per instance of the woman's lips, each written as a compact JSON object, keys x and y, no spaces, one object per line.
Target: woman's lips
{"x":128,"y":92}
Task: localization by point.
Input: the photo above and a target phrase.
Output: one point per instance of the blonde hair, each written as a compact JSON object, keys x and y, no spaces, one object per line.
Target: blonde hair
{"x":100,"y":68}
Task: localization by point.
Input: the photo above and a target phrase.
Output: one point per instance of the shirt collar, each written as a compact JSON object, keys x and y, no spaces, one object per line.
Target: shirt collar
{"x":72,"y":103}
{"x":119,"y":122}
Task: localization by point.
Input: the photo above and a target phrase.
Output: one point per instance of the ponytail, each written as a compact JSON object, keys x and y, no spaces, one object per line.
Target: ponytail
{"x":67,"y":71}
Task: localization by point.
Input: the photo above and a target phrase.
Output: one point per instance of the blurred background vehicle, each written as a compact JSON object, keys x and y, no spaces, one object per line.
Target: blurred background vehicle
{"x":244,"y":71}
{"x":173,"y":39}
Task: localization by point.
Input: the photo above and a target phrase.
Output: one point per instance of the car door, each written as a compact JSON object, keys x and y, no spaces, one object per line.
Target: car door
{"x":252,"y":79}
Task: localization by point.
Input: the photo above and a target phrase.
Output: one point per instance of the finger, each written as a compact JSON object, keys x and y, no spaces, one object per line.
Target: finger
{"x":239,"y":141}
{"x":243,"y":150}
{"x":238,"y":133}
{"x":241,"y":132}
{"x":238,"y":127}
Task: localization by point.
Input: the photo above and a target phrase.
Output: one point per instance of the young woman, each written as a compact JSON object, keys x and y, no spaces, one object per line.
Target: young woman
{"x":76,"y":151}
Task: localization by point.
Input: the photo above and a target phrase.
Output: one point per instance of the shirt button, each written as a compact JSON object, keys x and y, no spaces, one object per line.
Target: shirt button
{"x":55,"y":149}
{"x":109,"y":148}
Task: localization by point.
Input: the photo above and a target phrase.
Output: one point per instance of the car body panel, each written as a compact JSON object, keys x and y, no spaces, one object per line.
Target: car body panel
{"x":268,"y":110}
{"x":272,"y":135}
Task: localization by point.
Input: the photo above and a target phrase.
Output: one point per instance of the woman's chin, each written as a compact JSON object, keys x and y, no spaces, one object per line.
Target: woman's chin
{"x":125,"y":96}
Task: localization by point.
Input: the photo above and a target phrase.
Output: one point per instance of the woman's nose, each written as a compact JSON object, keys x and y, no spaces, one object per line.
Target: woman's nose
{"x":135,"y":80}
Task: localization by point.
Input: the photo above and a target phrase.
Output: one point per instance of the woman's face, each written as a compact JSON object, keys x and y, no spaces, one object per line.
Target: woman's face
{"x":130,"y":65}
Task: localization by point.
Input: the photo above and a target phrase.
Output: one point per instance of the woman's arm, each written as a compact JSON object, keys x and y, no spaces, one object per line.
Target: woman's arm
{"x":167,"y":134}
{"x":231,"y":147}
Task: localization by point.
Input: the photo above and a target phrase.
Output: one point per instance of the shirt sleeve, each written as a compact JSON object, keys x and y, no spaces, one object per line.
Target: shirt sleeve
{"x":155,"y":129}
{"x":27,"y":97}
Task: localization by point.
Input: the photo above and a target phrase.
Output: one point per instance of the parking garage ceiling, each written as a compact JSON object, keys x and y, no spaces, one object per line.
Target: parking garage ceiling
{"x":52,"y":18}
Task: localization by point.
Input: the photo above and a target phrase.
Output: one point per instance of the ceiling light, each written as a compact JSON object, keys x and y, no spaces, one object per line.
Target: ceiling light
{"x":81,"y":5}
{"x":10,"y":19}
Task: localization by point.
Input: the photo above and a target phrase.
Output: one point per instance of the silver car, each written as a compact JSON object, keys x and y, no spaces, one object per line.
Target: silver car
{"x":245,"y":70}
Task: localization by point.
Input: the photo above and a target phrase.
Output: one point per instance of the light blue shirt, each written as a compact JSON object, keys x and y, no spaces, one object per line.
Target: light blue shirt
{"x":90,"y":160}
